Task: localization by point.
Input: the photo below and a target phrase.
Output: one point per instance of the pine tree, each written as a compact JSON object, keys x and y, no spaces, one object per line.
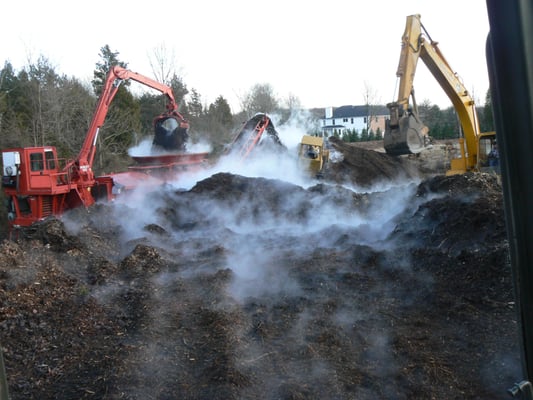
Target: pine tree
{"x":194,"y":106}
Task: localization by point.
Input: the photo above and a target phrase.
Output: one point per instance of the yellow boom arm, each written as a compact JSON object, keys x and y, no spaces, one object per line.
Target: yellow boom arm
{"x":416,"y":43}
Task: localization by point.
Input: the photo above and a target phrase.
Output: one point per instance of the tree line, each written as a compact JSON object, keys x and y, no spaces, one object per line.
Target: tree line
{"x":445,"y":124}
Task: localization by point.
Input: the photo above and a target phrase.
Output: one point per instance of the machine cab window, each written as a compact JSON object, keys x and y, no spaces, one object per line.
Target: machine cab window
{"x":42,"y":160}
{"x":488,"y":152}
{"x":36,"y":162}
{"x":50,"y":159}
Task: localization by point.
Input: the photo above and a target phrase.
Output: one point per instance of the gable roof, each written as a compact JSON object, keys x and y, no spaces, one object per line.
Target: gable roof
{"x":358,"y":111}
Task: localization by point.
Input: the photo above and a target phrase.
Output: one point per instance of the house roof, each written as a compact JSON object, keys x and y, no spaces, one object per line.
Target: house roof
{"x":359,"y":111}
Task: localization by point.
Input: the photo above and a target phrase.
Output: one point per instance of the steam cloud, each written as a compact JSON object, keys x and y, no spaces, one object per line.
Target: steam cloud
{"x":256,"y":233}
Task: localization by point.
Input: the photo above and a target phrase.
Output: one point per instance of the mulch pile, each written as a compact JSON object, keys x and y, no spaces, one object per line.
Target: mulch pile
{"x":249,"y":288}
{"x":365,"y":168}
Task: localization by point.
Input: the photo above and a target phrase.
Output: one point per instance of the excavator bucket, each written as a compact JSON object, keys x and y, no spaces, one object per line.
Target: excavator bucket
{"x":404,"y":135}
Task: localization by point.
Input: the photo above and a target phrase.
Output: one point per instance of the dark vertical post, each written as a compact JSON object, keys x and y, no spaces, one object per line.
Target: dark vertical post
{"x":510,"y":64}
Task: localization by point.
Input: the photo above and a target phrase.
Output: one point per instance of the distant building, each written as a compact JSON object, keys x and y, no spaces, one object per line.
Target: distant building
{"x":342,"y":119}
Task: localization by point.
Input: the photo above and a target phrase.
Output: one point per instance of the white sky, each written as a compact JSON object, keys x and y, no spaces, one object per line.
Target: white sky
{"x":324,"y":52}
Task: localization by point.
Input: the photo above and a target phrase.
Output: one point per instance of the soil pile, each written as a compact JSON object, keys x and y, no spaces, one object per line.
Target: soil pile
{"x":250,"y":288}
{"x":366,"y":168}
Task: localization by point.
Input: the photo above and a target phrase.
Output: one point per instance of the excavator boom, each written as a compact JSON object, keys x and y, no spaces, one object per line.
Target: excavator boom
{"x":404,"y":131}
{"x":82,"y":165}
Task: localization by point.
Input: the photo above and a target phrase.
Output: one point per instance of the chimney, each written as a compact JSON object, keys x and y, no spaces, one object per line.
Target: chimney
{"x":329,"y":112}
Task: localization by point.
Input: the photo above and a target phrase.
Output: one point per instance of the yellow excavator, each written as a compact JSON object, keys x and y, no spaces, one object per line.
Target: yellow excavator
{"x":404,"y":131}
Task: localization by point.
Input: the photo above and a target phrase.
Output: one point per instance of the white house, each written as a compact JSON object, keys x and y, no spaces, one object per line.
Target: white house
{"x":344,"y":118}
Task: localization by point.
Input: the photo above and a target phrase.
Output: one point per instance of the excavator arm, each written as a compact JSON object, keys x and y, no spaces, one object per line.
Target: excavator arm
{"x":405,"y":133}
{"x":81,"y":167}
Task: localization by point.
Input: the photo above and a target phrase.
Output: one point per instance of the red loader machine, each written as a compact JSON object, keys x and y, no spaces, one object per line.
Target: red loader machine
{"x":38,"y":184}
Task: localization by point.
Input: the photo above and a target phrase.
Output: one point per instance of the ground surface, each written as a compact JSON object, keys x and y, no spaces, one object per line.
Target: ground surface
{"x":250,"y":288}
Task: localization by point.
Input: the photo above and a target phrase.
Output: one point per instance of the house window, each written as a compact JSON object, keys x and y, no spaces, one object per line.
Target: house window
{"x":333,"y":122}
{"x":364,"y":120}
{"x":352,"y":120}
{"x":345,"y":120}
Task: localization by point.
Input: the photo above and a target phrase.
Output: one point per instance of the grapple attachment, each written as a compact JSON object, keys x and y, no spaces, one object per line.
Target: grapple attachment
{"x":404,"y":134}
{"x":171,"y":133}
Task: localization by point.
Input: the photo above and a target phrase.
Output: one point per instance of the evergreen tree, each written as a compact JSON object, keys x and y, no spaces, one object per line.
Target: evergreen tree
{"x":108,"y":59}
{"x":220,"y":123}
{"x":15,"y":108}
{"x":345,"y":136}
{"x":153,"y":104}
{"x":179,"y":89}
{"x":194,"y":106}
{"x":364,"y":135}
{"x":442,"y":124}
{"x":220,"y":111}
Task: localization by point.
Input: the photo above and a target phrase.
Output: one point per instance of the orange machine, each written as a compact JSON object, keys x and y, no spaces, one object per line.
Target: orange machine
{"x":37,"y":184}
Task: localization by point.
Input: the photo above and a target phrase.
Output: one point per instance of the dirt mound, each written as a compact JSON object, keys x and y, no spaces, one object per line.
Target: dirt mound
{"x":259,"y":289}
{"x":366,"y":167}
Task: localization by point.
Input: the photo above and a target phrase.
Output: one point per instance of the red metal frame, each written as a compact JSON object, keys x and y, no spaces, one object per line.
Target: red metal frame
{"x":248,"y":138}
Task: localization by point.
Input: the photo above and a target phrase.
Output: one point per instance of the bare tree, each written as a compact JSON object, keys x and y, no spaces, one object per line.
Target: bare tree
{"x":75,"y":106}
{"x":162,"y":62}
{"x":370,"y":98}
{"x":260,"y":98}
{"x":43,"y":89}
{"x":292,"y":102}
{"x":3,"y":93}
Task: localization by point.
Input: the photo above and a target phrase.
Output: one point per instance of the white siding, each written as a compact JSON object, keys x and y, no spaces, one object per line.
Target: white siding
{"x":357,"y":123}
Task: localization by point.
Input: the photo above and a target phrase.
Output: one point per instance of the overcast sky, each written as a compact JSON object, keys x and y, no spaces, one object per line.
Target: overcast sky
{"x":326,"y":53}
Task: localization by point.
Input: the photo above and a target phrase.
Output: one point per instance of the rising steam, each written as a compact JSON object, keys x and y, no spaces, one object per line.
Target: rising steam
{"x":283,"y":244}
